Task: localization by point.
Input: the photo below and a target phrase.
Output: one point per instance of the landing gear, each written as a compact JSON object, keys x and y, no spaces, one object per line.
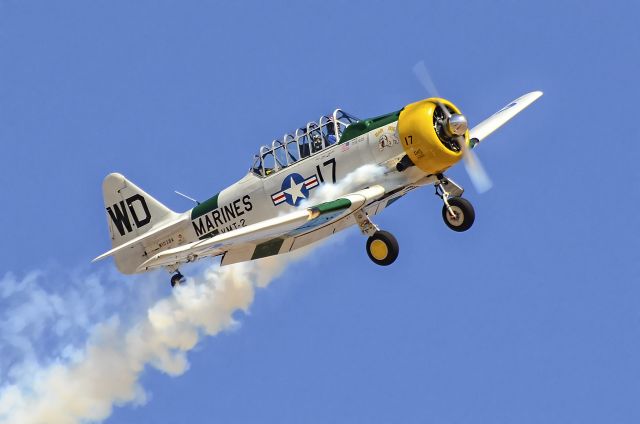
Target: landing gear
{"x":457,"y":212}
{"x":177,"y":279}
{"x":382,"y":246}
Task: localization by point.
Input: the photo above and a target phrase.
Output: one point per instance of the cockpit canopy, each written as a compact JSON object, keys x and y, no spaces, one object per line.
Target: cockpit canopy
{"x":305,"y":142}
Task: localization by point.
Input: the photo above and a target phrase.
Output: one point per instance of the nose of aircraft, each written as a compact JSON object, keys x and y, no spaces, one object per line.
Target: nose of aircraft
{"x":457,"y":124}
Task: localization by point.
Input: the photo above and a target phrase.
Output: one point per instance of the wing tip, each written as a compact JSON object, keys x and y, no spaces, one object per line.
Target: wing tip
{"x":528,"y":98}
{"x":98,"y":258}
{"x":534,"y":95}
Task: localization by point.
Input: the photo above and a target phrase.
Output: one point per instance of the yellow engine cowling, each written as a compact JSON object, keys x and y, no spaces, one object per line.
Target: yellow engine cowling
{"x":420,"y":140}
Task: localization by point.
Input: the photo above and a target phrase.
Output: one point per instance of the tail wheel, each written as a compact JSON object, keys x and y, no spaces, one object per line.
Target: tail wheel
{"x":382,"y":248}
{"x":463,"y":217}
{"x":177,"y":279}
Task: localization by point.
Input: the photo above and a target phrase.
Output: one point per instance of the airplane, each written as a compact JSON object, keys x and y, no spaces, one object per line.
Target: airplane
{"x":271,"y":210}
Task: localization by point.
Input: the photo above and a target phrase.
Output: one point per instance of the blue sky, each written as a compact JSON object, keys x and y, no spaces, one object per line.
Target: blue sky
{"x":529,"y":317}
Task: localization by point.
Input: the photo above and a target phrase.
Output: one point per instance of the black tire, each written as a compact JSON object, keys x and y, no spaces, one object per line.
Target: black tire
{"x":377,"y":252}
{"x":177,"y":279}
{"x":465,"y":212}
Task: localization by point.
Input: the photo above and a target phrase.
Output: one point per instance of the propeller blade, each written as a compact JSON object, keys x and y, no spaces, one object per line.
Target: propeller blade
{"x":479,"y":177}
{"x":474,"y":168}
{"x":422,"y":74}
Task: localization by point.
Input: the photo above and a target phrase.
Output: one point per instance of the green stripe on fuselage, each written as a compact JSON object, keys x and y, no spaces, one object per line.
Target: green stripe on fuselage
{"x":204,"y":207}
{"x":362,"y":127}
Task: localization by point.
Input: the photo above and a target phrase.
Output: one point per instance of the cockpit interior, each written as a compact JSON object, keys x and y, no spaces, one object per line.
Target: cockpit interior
{"x":304,"y":142}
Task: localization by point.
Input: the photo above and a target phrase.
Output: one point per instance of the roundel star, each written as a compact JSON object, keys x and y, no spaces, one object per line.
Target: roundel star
{"x":295,"y":189}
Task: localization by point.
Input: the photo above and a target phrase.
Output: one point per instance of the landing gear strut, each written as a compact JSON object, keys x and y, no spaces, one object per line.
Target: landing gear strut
{"x":382,"y":246}
{"x":457,"y":212}
{"x":177,"y":279}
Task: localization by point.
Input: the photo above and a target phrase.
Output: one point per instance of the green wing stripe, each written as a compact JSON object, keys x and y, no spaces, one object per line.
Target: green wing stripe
{"x":334,"y":205}
{"x":362,"y":127}
{"x":205,"y":207}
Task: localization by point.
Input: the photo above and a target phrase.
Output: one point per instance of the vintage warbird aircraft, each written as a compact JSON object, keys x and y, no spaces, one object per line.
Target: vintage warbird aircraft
{"x":267,"y":212}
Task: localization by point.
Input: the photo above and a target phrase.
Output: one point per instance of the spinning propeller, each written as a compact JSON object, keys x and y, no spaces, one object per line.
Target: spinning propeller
{"x":455,"y":126}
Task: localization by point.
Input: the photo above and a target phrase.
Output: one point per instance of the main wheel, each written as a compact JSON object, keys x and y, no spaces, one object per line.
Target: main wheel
{"x":382,"y":248}
{"x":464,"y":214}
{"x":177,"y":279}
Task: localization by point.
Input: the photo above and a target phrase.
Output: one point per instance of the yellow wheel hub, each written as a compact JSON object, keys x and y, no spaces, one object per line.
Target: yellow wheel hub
{"x":379,"y":250}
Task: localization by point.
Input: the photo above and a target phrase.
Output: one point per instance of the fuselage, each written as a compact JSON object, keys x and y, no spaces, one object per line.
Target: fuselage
{"x":268,"y":192}
{"x":257,"y":198}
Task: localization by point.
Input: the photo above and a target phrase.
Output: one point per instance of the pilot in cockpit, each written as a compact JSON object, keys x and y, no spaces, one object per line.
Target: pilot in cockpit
{"x":316,"y":142}
{"x":331,"y":132}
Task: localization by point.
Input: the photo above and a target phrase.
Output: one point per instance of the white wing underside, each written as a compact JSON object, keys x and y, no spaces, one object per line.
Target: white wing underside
{"x":269,"y":237}
{"x":504,"y":115}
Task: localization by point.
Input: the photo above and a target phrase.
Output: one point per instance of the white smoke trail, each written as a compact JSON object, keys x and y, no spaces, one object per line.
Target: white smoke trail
{"x":95,"y":353}
{"x":105,"y":371}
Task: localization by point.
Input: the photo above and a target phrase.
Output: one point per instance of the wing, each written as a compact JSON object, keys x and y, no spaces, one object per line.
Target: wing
{"x":267,"y":238}
{"x":164,"y":228}
{"x":501,"y":117}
